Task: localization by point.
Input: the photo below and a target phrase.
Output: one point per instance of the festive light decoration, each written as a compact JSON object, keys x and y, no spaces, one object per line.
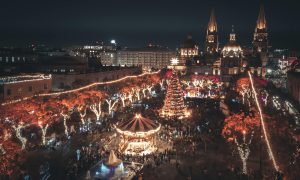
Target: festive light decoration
{"x":174,"y":106}
{"x":18,"y":130}
{"x":174,"y":61}
{"x":81,"y":88}
{"x":244,"y":150}
{"x":96,"y":109}
{"x":82,"y":114}
{"x":203,"y":87}
{"x":264,"y":97}
{"x":26,"y":78}
{"x":65,"y":118}
{"x":123,"y":98}
{"x":44,"y":132}
{"x":149,"y":88}
{"x":137,"y":93}
{"x":97,"y":84}
{"x":239,"y":125}
{"x":161,"y":83}
{"x":137,"y":135}
{"x":111,"y":104}
{"x":263,"y":124}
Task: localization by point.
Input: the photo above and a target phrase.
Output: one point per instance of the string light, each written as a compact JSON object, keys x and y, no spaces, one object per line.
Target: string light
{"x":96,"y":84}
{"x":44,"y":132}
{"x":79,"y":89}
{"x":244,"y":150}
{"x":263,"y":124}
{"x":96,"y":109}
{"x":111,"y":104}
{"x":18,"y":130}
{"x":25,"y":78}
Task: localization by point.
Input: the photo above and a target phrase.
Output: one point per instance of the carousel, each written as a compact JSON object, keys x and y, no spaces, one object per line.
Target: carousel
{"x":138,"y":136}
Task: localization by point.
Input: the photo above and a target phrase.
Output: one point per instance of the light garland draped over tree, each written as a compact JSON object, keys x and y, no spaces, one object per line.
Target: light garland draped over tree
{"x":238,"y":126}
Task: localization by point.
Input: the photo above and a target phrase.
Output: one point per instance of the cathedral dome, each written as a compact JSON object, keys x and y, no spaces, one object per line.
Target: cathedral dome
{"x":232,"y":48}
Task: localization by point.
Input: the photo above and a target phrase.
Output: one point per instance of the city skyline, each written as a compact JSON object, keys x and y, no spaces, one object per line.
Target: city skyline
{"x":133,"y":23}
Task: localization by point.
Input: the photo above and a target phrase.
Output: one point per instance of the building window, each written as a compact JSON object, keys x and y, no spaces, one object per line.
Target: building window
{"x":45,"y":86}
{"x":30,"y":88}
{"x":8,"y":92}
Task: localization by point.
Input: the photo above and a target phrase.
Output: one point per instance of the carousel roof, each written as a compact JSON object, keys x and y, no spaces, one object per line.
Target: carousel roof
{"x":138,"y":124}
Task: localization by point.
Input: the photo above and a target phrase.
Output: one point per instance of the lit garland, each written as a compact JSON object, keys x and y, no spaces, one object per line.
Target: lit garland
{"x":65,"y":117}
{"x":82,"y":114}
{"x":263,"y":124}
{"x":27,"y":78}
{"x":96,"y":109}
{"x":18,"y":130}
{"x":79,"y":89}
{"x":195,"y":87}
{"x":97,"y":84}
{"x":44,"y":132}
{"x":244,"y":150}
{"x":111,"y":104}
{"x":123,"y":97}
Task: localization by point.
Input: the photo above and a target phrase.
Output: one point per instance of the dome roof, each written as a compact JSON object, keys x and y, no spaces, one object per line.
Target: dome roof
{"x":138,"y":124}
{"x":232,"y":48}
{"x":188,"y":43}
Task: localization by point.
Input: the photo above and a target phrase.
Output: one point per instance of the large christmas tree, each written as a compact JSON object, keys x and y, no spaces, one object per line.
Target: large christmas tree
{"x":174,"y":104}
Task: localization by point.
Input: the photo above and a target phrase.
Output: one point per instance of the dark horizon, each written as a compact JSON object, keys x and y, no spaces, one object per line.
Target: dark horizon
{"x":134,"y":23}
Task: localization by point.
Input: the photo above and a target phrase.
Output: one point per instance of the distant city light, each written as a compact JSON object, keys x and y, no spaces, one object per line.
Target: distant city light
{"x":113,"y":41}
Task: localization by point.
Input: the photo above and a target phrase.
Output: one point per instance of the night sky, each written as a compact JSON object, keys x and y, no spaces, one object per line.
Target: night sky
{"x":139,"y":22}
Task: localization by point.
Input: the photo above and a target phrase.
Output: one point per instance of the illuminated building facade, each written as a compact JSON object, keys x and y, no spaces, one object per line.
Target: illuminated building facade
{"x":99,"y":53}
{"x":149,"y":57}
{"x":18,"y":87}
{"x":189,"y":49}
{"x":137,"y":136}
{"x":232,"y":56}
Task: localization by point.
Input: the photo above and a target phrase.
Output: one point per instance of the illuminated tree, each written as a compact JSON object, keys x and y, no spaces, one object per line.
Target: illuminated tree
{"x":66,"y":105}
{"x":238,"y":126}
{"x":95,"y":103}
{"x":174,"y":104}
{"x":111,"y":104}
{"x":18,"y":129}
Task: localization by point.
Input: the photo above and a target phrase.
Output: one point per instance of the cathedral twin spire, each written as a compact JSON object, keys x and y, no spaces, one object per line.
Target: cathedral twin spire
{"x":212,"y":42}
{"x":212,"y":24}
{"x":261,"y":20}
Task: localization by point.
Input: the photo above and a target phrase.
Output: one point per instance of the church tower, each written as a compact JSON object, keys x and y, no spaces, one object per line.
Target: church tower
{"x":212,"y":42}
{"x":260,"y":38}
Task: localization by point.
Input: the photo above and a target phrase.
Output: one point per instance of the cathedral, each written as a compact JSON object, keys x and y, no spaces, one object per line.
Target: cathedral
{"x":230,"y":60}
